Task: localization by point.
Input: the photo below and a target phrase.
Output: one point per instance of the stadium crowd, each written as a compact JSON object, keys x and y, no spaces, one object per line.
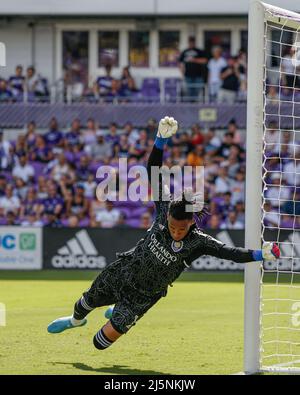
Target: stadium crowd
{"x":208,"y":76}
{"x":203,"y":74}
{"x":50,"y":179}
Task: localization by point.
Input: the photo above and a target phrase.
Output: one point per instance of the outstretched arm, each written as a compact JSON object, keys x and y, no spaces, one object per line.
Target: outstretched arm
{"x":210,"y":246}
{"x":167,"y":127}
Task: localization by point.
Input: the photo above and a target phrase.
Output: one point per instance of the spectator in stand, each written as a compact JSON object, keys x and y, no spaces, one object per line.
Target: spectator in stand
{"x":232,"y":162}
{"x":222,"y":180}
{"x":41,"y":191}
{"x":127,"y":84}
{"x":41,"y":152}
{"x":101,"y":151}
{"x":83,"y":170}
{"x":286,"y":221}
{"x":31,"y":134}
{"x":51,"y":220}
{"x":89,"y":135}
{"x":3,"y":182}
{"x":224,"y":149}
{"x":146,"y":221}
{"x":272,"y":95}
{"x":5,"y":93}
{"x":286,"y":147}
{"x":196,"y":156}
{"x":35,"y":85}
{"x":193,"y":66}
{"x":232,"y":222}
{"x":108,"y":217}
{"x":197,"y":135}
{"x":77,"y":204}
{"x":271,"y":215}
{"x":292,"y":207}
{"x":177,"y":158}
{"x":73,"y":221}
{"x":242,"y":64}
{"x":131,"y":133}
{"x":30,"y":204}
{"x":276,"y":193}
{"x":53,"y":204}
{"x":214,"y":222}
{"x":90,"y":187}
{"x":102,"y":85}
{"x":73,"y":137}
{"x":238,"y":187}
{"x":112,"y":137}
{"x":11,"y":219}
{"x":21,"y":188}
{"x":212,"y":142}
{"x":224,"y":204}
{"x":114,"y":92}
{"x":9,"y":202}
{"x":62,"y":167}
{"x":239,"y":208}
{"x":289,"y":69}
{"x":23,"y":170}
{"x":31,"y":80}
{"x":140,"y":148}
{"x":215,"y":66}
{"x":230,"y":75}
{"x":21,"y":146}
{"x":121,"y":149}
{"x":16,"y":83}
{"x":232,"y":128}
{"x":54,"y":138}
{"x":151,"y":128}
{"x":6,"y":156}
{"x":291,"y":169}
{"x":32,"y":220}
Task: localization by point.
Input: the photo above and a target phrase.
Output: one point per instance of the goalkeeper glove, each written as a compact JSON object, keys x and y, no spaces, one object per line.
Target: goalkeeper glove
{"x":167,"y":127}
{"x":269,"y":252}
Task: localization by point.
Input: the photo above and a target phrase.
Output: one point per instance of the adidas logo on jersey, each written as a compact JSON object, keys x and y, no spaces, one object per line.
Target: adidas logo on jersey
{"x":79,"y":252}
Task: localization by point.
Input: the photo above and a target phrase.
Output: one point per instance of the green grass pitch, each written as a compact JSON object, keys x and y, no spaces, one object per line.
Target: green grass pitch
{"x":196,"y":329}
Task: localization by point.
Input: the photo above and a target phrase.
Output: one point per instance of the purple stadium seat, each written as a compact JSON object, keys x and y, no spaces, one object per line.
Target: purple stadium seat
{"x":84,"y":222}
{"x":151,"y":90}
{"x":172,"y":89}
{"x":138,"y":212}
{"x":134,"y":223}
{"x":38,"y":169}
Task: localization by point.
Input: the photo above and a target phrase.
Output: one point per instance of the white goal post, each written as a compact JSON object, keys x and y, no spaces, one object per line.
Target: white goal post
{"x":272,"y":291}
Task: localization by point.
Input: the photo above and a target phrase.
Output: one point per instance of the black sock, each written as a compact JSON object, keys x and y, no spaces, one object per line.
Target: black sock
{"x":101,"y":341}
{"x":81,"y":309}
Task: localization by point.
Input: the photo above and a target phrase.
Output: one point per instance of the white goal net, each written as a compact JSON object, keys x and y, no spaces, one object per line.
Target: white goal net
{"x":280,"y":291}
{"x":279,"y":316}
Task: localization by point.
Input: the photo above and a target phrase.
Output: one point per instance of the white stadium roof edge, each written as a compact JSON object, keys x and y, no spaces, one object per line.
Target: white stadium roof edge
{"x":132,"y":7}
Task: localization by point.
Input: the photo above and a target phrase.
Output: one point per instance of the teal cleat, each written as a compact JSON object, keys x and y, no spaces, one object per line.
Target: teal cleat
{"x":109,"y":312}
{"x":61,"y":324}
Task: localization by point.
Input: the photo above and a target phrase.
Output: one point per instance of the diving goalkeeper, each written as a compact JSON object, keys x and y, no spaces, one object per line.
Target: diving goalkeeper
{"x":138,"y":278}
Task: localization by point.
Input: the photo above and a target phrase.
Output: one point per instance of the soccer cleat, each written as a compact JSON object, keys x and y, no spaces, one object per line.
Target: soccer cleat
{"x":61,"y":324}
{"x":109,"y":312}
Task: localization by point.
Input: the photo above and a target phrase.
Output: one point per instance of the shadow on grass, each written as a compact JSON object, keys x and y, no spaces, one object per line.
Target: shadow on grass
{"x":114,"y":369}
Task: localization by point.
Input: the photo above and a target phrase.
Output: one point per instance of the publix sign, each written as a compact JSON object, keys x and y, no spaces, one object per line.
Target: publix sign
{"x":20,"y":248}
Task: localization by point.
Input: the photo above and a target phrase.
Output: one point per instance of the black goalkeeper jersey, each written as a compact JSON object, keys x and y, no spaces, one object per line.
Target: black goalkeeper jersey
{"x":157,"y":260}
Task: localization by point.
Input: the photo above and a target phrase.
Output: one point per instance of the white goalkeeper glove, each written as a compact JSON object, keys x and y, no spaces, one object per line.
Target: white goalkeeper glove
{"x":167,"y":127}
{"x":270,"y":251}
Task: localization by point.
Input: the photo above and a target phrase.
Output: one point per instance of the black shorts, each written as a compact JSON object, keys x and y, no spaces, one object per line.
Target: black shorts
{"x":130,"y":304}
